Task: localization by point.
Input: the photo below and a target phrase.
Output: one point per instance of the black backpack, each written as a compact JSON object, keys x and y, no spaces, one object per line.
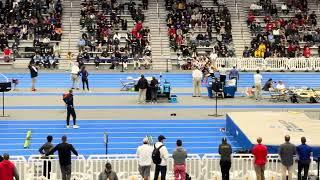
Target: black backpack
{"x":156,"y":155}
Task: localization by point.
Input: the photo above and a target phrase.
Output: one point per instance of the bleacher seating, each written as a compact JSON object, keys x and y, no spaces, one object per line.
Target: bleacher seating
{"x":283,"y":31}
{"x":113,"y":33}
{"x":29,"y":27}
{"x":196,"y":31}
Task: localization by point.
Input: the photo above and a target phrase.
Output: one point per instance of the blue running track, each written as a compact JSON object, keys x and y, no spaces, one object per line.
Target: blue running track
{"x":199,"y":136}
{"x":182,"y":80}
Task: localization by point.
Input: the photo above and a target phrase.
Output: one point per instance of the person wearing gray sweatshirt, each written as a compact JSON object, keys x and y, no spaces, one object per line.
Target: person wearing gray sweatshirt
{"x":179,"y":156}
{"x":108,"y":173}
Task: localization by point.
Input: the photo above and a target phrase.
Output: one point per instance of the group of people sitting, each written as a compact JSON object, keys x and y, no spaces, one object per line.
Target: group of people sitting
{"x":102,"y":24}
{"x":279,"y":36}
{"x":45,"y":60}
{"x":184,"y":19}
{"x":24,"y":20}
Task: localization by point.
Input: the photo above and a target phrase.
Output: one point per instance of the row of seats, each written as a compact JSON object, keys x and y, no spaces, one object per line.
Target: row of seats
{"x":294,"y":34}
{"x":27,"y":27}
{"x":113,"y":32}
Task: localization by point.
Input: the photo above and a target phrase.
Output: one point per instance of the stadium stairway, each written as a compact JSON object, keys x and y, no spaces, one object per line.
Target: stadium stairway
{"x":159,"y":39}
{"x":240,"y":33}
{"x":71,"y":31}
{"x":124,"y":136}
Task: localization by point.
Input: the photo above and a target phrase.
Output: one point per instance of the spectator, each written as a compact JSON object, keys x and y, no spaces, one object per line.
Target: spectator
{"x":246,"y":53}
{"x":136,"y":62}
{"x":234,"y":74}
{"x":164,"y":155}
{"x":260,"y":153}
{"x":225,"y":151}
{"x":8,"y":171}
{"x":142,"y":85}
{"x":304,"y":152}
{"x":34,"y":74}
{"x":64,"y":150}
{"x":108,"y":173}
{"x":286,"y":152}
{"x":6,"y":54}
{"x":257,"y":84}
{"x":196,"y":78}
{"x":44,"y":149}
{"x":68,"y":99}
{"x":84,"y":77}
{"x":280,"y":86}
{"x":284,"y":9}
{"x":223,"y":74}
{"x":75,"y":76}
{"x":144,"y":153}
{"x":268,"y":85}
{"x":154,"y":84}
{"x":179,"y":157}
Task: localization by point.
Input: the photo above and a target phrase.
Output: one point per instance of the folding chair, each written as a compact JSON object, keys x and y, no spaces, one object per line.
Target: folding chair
{"x":127,"y":84}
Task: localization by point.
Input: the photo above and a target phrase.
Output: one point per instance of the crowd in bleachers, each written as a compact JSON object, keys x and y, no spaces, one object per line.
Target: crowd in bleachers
{"x":279,"y":34}
{"x":107,"y":38}
{"x":37,"y":20}
{"x":190,"y":26}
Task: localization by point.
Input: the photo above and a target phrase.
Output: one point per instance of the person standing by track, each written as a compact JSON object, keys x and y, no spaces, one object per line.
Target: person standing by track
{"x":68,"y":99}
{"x":84,"y":77}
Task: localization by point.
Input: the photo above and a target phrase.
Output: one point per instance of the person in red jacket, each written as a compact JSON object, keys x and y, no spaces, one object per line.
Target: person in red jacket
{"x":306,"y":51}
{"x":7,"y":169}
{"x":7,"y":53}
{"x":260,"y":153}
{"x":138,"y":26}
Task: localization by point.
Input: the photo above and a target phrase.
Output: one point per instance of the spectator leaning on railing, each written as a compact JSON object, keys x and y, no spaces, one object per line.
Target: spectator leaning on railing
{"x":304,"y":153}
{"x":225,"y":151}
{"x":286,"y":153}
{"x":144,"y":153}
{"x":64,"y":150}
{"x":260,"y":153}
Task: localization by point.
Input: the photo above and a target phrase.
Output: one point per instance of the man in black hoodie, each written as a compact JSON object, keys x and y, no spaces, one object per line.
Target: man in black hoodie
{"x":34,"y":74}
{"x":68,"y":99}
{"x":142,"y":86}
{"x":64,"y":151}
{"x":225,"y":152}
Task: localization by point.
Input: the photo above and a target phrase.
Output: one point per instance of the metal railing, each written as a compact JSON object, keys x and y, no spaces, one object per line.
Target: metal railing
{"x":268,"y":64}
{"x":126,"y":166}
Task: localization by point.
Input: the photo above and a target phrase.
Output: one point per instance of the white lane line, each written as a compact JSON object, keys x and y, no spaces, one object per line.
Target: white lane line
{"x":124,"y":132}
{"x":84,"y":124}
{"x":115,"y":128}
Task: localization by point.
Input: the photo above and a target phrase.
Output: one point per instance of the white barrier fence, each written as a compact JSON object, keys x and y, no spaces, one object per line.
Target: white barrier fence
{"x":270,"y":64}
{"x":126,"y":166}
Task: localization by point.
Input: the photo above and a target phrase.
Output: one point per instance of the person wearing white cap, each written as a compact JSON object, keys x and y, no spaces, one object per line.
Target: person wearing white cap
{"x":144,"y":153}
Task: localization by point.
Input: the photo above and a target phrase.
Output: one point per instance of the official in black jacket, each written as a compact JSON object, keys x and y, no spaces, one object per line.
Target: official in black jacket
{"x":64,"y":151}
{"x":142,"y":86}
{"x":154,"y":89}
{"x":68,"y":99}
{"x":34,"y":74}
